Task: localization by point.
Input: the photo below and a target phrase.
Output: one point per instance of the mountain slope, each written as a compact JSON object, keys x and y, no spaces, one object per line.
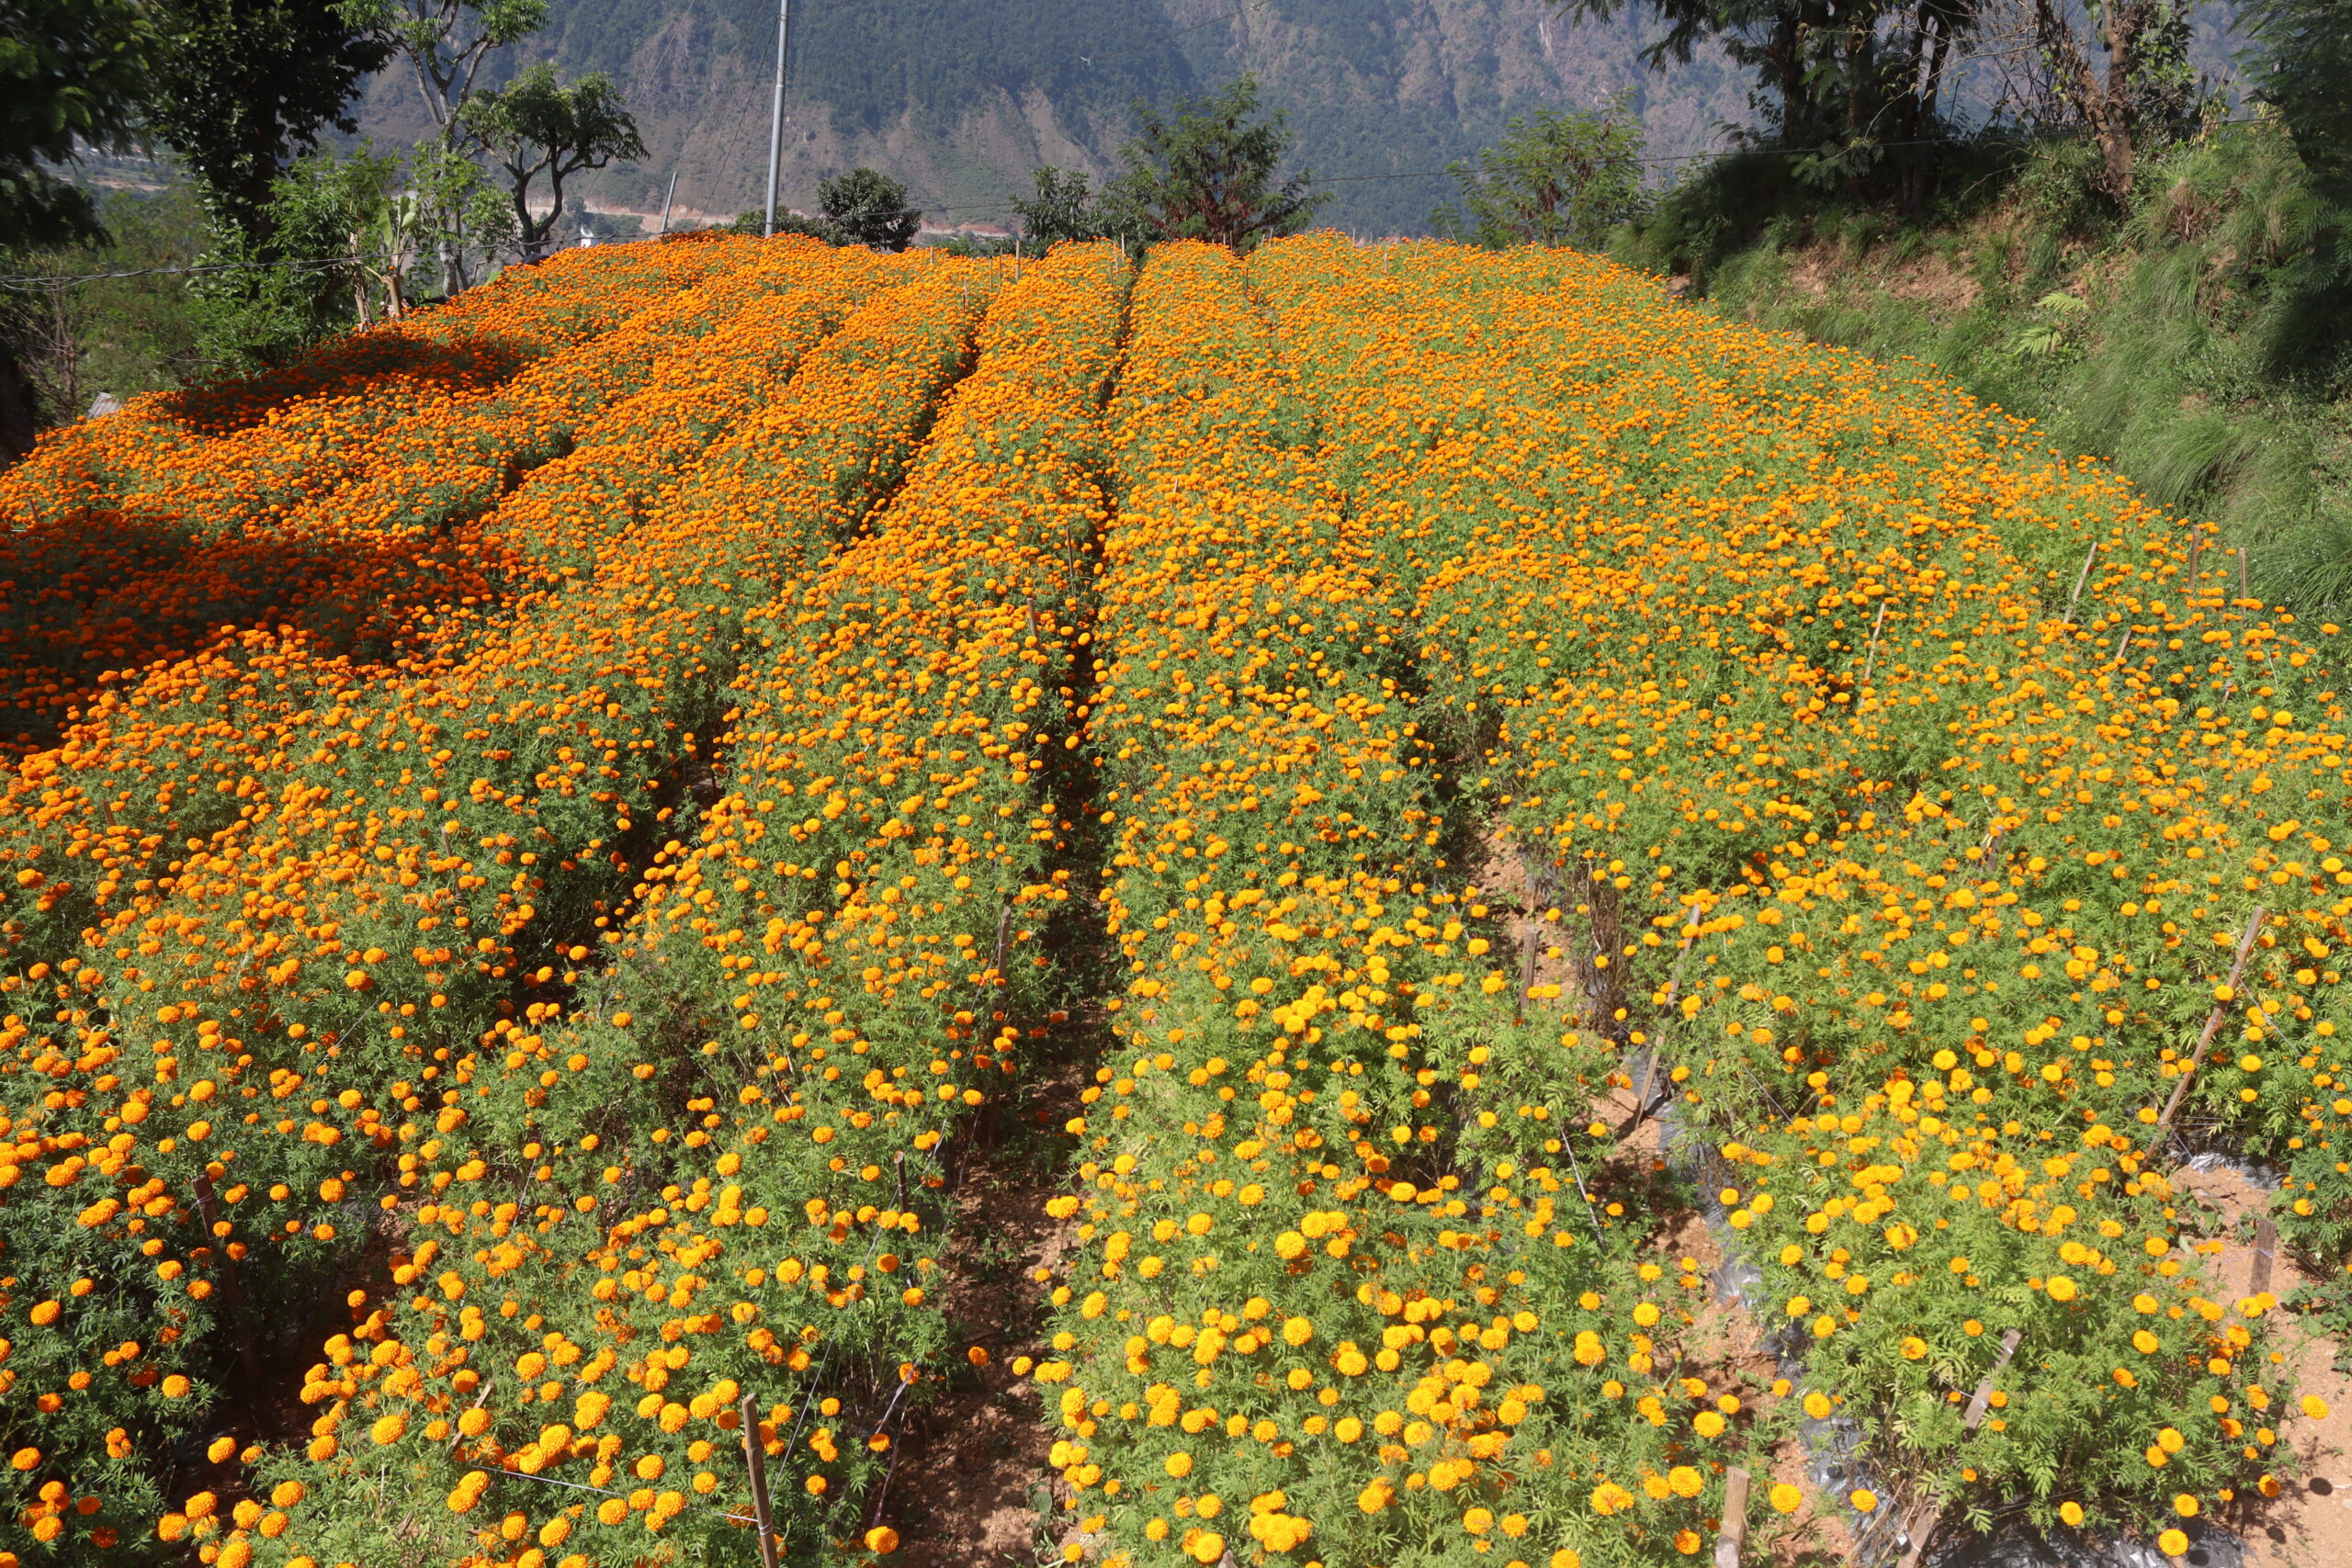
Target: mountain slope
{"x":961,"y":100}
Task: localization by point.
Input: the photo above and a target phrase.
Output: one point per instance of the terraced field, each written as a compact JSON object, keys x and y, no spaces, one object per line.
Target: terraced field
{"x":1425,"y":790}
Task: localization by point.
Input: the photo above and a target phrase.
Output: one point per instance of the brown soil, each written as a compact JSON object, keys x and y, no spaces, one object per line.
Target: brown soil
{"x":1724,"y":1347}
{"x":974,"y":1459}
{"x":1825,"y":269}
{"x":2309,"y":1523}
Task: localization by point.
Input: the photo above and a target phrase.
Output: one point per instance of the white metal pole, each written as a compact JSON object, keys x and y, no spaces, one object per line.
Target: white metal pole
{"x":775,"y":113}
{"x":667,"y":197}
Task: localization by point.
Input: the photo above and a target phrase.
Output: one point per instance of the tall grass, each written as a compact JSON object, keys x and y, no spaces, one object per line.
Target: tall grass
{"x":2198,"y":338}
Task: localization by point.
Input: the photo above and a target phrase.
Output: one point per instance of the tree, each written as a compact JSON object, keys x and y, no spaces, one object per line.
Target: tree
{"x":866,"y":207}
{"x":2147,"y":82}
{"x":1061,"y":210}
{"x":240,"y":88}
{"x":343,"y":235}
{"x":1839,"y":80}
{"x":537,"y":125}
{"x":1554,"y":179}
{"x":2303,"y":61}
{"x":446,"y":42}
{"x":70,"y":74}
{"x":1205,"y":171}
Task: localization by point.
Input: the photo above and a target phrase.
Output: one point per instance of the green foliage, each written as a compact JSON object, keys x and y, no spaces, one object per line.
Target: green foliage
{"x":1205,"y":170}
{"x":1554,"y":179}
{"x":2208,"y":351}
{"x":446,"y":43}
{"x":1062,"y":208}
{"x":447,"y":40}
{"x":1732,"y":205}
{"x":239,"y":87}
{"x":752,"y":221}
{"x":344,"y":237}
{"x":536,"y":125}
{"x":72,"y":72}
{"x":122,"y":335}
{"x":1849,"y":96}
{"x":867,"y":207}
{"x":2306,"y":60}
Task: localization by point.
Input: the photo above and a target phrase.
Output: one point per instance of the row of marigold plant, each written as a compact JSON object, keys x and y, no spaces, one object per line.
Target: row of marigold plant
{"x":1775,"y":770}
{"x":743,"y":1136}
{"x":111,"y":521}
{"x":416,"y":861}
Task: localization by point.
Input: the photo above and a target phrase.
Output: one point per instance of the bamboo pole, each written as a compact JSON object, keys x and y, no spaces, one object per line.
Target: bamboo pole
{"x":755,"y":1456}
{"x":1921,"y":1526}
{"x":2081,"y":577}
{"x":1871,"y":657}
{"x":2212,"y":1021}
{"x":1526,"y":971}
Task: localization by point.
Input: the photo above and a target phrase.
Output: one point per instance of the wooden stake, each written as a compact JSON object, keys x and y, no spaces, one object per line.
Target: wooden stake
{"x":1526,"y":972}
{"x":2266,"y":1253}
{"x":2083,"y":577}
{"x":1921,"y":1526}
{"x":2212,"y":1021}
{"x":1916,"y":1530}
{"x":755,"y":1456}
{"x":1984,"y":1398}
{"x":1871,"y":657}
{"x":1734,"y":1534}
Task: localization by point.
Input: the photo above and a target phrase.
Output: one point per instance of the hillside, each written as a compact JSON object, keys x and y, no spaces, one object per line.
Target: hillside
{"x":2198,"y":339}
{"x":961,"y":101}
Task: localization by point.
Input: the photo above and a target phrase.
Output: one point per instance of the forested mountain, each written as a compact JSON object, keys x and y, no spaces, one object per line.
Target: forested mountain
{"x":961,"y":99}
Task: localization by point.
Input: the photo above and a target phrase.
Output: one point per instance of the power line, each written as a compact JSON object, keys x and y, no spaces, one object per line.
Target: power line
{"x":34,"y":284}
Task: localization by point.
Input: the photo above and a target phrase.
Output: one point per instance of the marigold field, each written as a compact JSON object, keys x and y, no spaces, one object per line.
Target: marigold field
{"x":541,"y":841}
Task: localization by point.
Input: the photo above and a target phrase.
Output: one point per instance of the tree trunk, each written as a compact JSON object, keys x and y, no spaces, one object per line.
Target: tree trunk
{"x":19,"y":415}
{"x":2105,"y":106}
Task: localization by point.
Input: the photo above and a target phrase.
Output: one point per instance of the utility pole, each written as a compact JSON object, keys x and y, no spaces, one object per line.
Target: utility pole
{"x":667,"y":197}
{"x":775,"y":113}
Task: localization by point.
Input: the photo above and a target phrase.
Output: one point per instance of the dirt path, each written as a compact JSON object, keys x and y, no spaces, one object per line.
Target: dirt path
{"x":973,"y":1472}
{"x":2309,"y":1523}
